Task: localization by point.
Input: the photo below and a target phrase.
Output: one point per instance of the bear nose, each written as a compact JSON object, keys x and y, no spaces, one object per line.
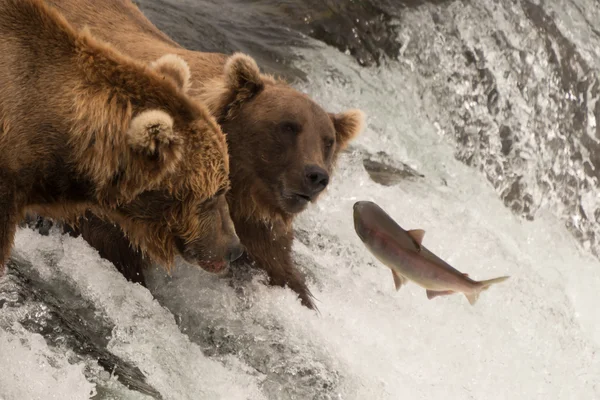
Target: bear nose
{"x":235,"y":251}
{"x":316,"y":178}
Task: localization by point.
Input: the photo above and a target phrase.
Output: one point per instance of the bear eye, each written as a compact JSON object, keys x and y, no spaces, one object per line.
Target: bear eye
{"x":213,"y":199}
{"x":328,"y":145}
{"x":290,"y":127}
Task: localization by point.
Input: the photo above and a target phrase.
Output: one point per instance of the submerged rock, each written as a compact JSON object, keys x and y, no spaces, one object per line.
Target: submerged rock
{"x":385,"y":171}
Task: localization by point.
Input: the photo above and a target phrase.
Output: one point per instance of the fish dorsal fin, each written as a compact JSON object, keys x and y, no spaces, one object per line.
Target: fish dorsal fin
{"x":417,"y":236}
{"x":399,"y":280}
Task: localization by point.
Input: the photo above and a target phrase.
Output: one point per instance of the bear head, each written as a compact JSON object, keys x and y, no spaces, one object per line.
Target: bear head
{"x":286,"y":145}
{"x":172,"y":180}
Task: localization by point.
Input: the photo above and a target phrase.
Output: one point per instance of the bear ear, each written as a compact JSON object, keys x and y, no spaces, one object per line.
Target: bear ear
{"x":151,"y":135}
{"x":174,"y":67}
{"x":243,"y":76}
{"x":348,"y":125}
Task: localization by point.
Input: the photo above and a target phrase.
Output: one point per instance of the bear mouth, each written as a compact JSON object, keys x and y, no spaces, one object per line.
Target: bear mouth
{"x":302,"y":197}
{"x":292,"y":201}
{"x":213,"y":266}
{"x":296,"y":202}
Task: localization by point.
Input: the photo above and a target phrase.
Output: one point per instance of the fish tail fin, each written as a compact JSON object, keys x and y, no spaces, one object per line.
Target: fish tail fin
{"x":484,"y":285}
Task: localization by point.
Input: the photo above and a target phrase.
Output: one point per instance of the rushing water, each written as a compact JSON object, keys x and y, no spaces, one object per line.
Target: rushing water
{"x":481,"y":130}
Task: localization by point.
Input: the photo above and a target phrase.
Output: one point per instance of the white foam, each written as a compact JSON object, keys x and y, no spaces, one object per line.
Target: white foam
{"x":30,"y":370}
{"x":145,"y":333}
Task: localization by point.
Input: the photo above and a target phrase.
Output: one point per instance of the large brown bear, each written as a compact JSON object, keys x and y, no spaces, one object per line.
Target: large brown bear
{"x":282,"y":145}
{"x":84,"y":127}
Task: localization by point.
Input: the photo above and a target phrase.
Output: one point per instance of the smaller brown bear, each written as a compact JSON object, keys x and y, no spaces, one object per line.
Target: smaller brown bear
{"x":83,"y":127}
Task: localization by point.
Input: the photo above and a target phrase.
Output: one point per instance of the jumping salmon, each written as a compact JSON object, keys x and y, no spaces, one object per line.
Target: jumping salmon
{"x":408,"y":259}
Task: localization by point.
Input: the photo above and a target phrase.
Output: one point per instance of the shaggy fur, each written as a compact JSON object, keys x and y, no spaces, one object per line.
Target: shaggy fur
{"x":84,"y":127}
{"x":282,"y":145}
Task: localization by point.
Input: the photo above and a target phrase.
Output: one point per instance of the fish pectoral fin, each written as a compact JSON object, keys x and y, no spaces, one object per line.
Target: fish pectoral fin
{"x":431,"y":294}
{"x":473,"y":297}
{"x":417,"y":236}
{"x":399,"y":280}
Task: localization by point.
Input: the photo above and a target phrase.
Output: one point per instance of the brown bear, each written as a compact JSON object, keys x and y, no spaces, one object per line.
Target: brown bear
{"x":83,"y":127}
{"x":282,"y":145}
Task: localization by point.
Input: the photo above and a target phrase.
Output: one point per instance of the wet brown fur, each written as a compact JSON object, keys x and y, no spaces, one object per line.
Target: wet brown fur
{"x":84,"y":127}
{"x":267,"y":155}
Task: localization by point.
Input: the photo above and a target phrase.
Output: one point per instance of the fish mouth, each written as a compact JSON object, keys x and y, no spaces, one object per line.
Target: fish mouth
{"x":360,"y":234}
{"x":361,"y":230}
{"x":359,"y":205}
{"x":364,"y":233}
{"x":363,"y":206}
{"x":361,"y":220}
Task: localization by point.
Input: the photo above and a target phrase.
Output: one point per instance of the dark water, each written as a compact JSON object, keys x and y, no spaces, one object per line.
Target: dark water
{"x":265,"y":28}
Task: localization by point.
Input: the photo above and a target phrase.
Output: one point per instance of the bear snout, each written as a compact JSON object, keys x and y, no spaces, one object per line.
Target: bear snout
{"x":316,"y":179}
{"x":235,"y":250}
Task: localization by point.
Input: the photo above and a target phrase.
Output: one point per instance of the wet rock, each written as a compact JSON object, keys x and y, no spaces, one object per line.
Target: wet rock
{"x":387,"y":172}
{"x":506,"y":139}
{"x":381,"y":167}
